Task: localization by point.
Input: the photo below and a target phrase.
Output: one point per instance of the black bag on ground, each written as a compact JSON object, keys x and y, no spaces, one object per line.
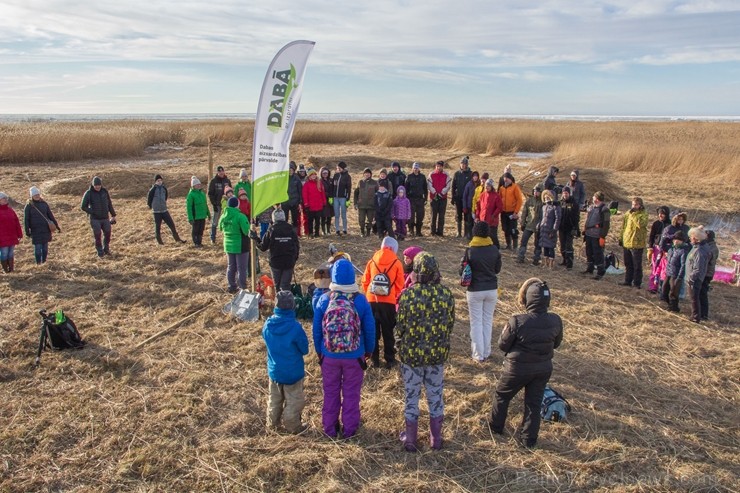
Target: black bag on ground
{"x":58,"y":332}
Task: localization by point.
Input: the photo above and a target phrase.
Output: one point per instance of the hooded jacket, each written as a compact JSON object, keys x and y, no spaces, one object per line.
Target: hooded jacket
{"x":286,"y":345}
{"x":295,"y":191}
{"x":426,"y":316}
{"x":656,"y":230}
{"x":327,"y":184}
{"x":234,"y":226}
{"x":529,"y":339}
{"x":383,"y":205}
{"x":384,"y":260}
{"x":666,"y":237}
{"x":401,"y":206}
{"x":634,"y":229}
{"x":697,"y":263}
{"x":676,"y":261}
{"x":468,"y":194}
{"x":314,"y":197}
{"x":157,"y":197}
{"x":597,"y":221}
{"x":397,"y":180}
{"x":550,"y":224}
{"x":282,"y":241}
{"x":197,"y":205}
{"x":531,"y":213}
{"x":485,"y":264}
{"x":511,"y":198}
{"x":36,"y":217}
{"x":549,"y":182}
{"x":578,"y":191}
{"x":714,"y":252}
{"x":10,"y":227}
{"x":97,"y":204}
{"x":489,"y":208}
{"x":343,"y":274}
{"x":365,"y":193}
{"x":216,"y":190}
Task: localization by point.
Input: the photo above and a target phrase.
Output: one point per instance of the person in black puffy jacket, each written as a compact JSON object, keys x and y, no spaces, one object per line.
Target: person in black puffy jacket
{"x":282,"y":241}
{"x":38,"y":220}
{"x":529,"y":340}
{"x":97,"y":204}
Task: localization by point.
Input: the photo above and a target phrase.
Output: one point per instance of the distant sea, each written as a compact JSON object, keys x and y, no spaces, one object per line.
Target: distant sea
{"x":333,"y":117}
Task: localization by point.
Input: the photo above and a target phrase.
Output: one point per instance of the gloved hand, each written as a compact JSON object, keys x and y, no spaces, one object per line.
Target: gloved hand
{"x":331,"y":200}
{"x":253,"y":234}
{"x":349,"y":203}
{"x":113,"y":220}
{"x":602,"y":242}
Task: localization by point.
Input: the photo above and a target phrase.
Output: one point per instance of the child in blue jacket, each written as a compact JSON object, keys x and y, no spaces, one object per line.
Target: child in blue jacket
{"x":286,"y":345}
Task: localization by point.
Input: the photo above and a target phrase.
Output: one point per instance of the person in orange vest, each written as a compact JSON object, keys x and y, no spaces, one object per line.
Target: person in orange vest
{"x":512,"y":199}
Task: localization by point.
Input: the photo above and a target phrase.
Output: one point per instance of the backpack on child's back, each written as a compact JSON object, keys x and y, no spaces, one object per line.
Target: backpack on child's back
{"x":340,"y":326}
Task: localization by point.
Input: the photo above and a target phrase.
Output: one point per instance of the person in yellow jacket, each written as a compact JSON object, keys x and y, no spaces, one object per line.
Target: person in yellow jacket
{"x":633,"y":240}
{"x":382,"y":283}
{"x":511,"y":196}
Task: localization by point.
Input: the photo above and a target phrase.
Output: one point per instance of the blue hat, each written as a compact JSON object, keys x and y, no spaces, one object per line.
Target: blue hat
{"x":233,"y":202}
{"x":343,"y":272}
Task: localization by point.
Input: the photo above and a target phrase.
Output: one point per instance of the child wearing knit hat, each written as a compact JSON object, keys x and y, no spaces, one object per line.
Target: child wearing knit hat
{"x":196,"y":204}
{"x":287,"y":344}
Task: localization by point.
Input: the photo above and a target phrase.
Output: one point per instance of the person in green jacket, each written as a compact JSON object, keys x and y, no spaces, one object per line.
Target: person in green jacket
{"x":243,"y":183}
{"x":198,"y":212}
{"x":235,"y":228}
{"x":633,"y":240}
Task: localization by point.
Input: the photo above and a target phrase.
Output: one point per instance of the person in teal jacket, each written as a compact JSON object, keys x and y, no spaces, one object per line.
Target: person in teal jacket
{"x":235,"y":228}
{"x":197,"y":206}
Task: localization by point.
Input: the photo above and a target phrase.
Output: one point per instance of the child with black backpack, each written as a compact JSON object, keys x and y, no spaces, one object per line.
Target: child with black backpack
{"x":286,"y":345}
{"x":343,"y":337}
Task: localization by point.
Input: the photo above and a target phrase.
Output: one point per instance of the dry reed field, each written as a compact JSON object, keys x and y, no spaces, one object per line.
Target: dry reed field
{"x":654,"y":396}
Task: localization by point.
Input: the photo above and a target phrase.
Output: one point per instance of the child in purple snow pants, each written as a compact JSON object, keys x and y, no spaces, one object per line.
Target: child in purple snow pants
{"x":342,"y":382}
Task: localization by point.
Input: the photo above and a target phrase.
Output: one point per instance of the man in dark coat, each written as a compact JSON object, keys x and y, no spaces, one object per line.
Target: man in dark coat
{"x":396,"y":177}
{"x":216,"y":189}
{"x":97,"y":204}
{"x":416,"y":191}
{"x":295,"y":196}
{"x":528,"y":341}
{"x":282,"y":241}
{"x":461,"y":178}
{"x":570,"y":219}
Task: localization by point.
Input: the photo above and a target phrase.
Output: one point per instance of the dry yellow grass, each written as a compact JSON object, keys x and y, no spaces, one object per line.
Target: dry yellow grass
{"x":685,"y":148}
{"x":654,"y":396}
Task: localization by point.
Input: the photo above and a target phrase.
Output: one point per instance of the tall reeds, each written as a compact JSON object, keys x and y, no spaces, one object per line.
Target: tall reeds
{"x":663,"y":147}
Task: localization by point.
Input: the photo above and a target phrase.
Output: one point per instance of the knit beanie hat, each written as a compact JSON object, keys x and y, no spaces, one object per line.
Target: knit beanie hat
{"x":391,"y":243}
{"x":228,"y":189}
{"x":416,"y":166}
{"x":465,"y":160}
{"x":157,"y":177}
{"x":566,"y":189}
{"x":292,"y":165}
{"x":34,"y":191}
{"x":233,"y":202}
{"x":285,"y":300}
{"x":97,"y":181}
{"x":3,"y":195}
{"x":600,"y":196}
{"x":481,"y":229}
{"x":412,"y":251}
{"x":243,"y":173}
{"x":242,"y":191}
{"x":342,"y":165}
{"x":194,"y":181}
{"x":395,"y":164}
{"x":491,"y":183}
{"x":278,"y":215}
{"x":678,"y":235}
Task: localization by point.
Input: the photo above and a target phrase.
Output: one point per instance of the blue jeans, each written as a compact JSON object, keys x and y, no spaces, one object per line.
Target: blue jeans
{"x":7,"y":252}
{"x":340,"y":206}
{"x":40,"y":252}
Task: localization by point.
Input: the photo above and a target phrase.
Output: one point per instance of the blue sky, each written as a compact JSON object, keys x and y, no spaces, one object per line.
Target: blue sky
{"x":566,"y":57}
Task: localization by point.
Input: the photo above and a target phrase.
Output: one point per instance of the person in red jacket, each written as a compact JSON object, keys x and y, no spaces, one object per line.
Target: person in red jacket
{"x":439,"y":184}
{"x":10,"y":234}
{"x":489,"y":209}
{"x":314,"y":200}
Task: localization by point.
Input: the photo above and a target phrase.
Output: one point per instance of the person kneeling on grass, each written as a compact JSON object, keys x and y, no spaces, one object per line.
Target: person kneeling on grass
{"x":426,"y":315}
{"x":287,"y":344}
{"x":343,"y":337}
{"x":528,"y":340}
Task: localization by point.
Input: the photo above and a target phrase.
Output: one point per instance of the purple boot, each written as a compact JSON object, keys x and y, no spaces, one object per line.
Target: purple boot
{"x":408,"y":437}
{"x":435,"y":432}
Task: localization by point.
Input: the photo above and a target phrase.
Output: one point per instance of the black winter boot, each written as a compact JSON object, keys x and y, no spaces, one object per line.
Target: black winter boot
{"x":11,"y":264}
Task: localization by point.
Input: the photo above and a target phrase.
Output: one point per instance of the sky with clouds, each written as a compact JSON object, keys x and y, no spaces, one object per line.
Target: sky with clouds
{"x":525,"y":57}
